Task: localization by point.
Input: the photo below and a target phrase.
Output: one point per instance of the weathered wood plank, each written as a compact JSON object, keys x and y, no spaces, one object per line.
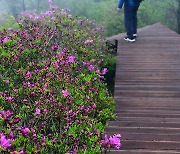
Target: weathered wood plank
{"x":147,"y":92}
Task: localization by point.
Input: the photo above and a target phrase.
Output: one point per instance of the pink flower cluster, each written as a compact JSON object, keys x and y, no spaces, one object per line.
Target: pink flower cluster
{"x":5,"y":40}
{"x":4,"y":141}
{"x":5,"y":114}
{"x":65,"y":93}
{"x":50,"y":1}
{"x":54,"y":47}
{"x":9,"y":99}
{"x":113,"y":141}
{"x":104,"y":71}
{"x":24,"y":131}
{"x":88,"y":42}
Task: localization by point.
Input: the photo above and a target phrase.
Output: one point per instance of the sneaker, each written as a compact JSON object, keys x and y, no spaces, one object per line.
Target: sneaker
{"x":134,"y":35}
{"x":129,"y":40}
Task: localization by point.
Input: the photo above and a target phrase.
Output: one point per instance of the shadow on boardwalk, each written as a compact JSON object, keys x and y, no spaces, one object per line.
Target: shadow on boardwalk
{"x":147,"y":92}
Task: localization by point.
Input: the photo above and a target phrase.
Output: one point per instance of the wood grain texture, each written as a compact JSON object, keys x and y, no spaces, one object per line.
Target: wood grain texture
{"x":147,"y":92}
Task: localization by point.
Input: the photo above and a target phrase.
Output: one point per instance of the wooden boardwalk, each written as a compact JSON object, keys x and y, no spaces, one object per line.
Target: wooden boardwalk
{"x":147,"y":92}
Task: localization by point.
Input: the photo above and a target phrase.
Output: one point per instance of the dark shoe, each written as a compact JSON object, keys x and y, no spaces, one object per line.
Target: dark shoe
{"x":129,"y":40}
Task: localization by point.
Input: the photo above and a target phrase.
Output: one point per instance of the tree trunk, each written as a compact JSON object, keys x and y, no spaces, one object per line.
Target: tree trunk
{"x":38,"y":5}
{"x":23,"y":3}
{"x":178,"y":16}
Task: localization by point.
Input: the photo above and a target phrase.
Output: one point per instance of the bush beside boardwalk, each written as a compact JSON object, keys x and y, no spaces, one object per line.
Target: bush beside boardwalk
{"x":52,"y":95}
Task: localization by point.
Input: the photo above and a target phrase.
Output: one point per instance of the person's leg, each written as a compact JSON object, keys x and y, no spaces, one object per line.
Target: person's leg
{"x":135,"y":19}
{"x":128,"y":19}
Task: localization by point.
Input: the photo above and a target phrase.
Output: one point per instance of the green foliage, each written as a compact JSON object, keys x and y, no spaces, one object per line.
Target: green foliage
{"x":8,"y":22}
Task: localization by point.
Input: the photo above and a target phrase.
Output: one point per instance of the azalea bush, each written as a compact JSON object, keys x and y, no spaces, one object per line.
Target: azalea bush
{"x":53,"y":98}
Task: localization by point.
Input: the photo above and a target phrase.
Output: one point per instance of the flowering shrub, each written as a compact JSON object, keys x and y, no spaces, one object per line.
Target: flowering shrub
{"x":52,"y":95}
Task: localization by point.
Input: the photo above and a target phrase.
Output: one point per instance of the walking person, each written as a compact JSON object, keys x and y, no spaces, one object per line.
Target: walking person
{"x":130,"y":17}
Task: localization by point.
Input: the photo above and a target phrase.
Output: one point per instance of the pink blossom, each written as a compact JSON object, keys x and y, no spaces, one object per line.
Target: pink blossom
{"x":5,"y":143}
{"x":11,"y":135}
{"x":105,"y":141}
{"x":24,"y":131}
{"x":16,"y":57}
{"x":94,"y":106}
{"x":81,"y":107}
{"x":9,"y":99}
{"x":91,"y":67}
{"x":8,"y":113}
{"x":65,"y":93}
{"x":28,"y":75}
{"x":36,"y":71}
{"x":71,"y":59}
{"x":54,"y":46}
{"x":38,"y":111}
{"x":55,"y":64}
{"x":14,"y":152}
{"x":114,"y":141}
{"x":45,"y":110}
{"x":36,"y":29}
{"x":48,"y":13}
{"x":6,"y":81}
{"x":25,"y":101}
{"x":50,"y":1}
{"x":43,"y":139}
{"x":86,"y":63}
{"x":104,"y":71}
{"x":70,"y":135}
{"x":98,"y":71}
{"x":22,"y":152}
{"x":5,"y":40}
{"x":45,"y":86}
{"x":88,"y":42}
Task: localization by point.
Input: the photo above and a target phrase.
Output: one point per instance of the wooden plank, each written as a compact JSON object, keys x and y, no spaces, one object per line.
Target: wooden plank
{"x":147,"y":92}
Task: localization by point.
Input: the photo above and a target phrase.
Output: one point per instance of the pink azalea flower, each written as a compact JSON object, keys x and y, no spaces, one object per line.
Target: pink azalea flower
{"x":6,"y":81}
{"x":9,"y":99}
{"x":104,"y":71}
{"x":65,"y":93}
{"x":21,"y":152}
{"x":94,"y":106}
{"x":114,"y":141}
{"x":36,"y":71}
{"x":14,"y":152}
{"x":91,"y":67}
{"x":28,"y":75}
{"x":11,"y":135}
{"x":43,"y":139}
{"x":16,"y":57}
{"x":4,"y":142}
{"x":54,"y":46}
{"x":45,"y":86}
{"x":5,"y":40}
{"x":38,"y":111}
{"x":36,"y":29}
{"x":45,"y":110}
{"x":81,"y":107}
{"x":25,"y":101}
{"x":24,"y":131}
{"x":71,"y":59}
{"x":50,"y":1}
{"x":48,"y":13}
{"x":98,"y":71}
{"x":105,"y":141}
{"x":88,"y":42}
